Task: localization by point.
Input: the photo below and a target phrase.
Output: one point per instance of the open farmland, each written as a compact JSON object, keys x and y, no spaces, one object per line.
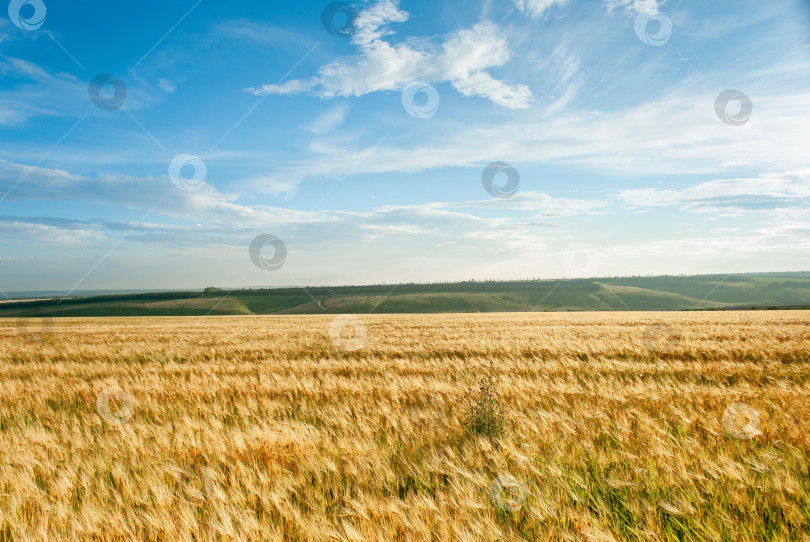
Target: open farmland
{"x":290,"y":428}
{"x":670,"y":293}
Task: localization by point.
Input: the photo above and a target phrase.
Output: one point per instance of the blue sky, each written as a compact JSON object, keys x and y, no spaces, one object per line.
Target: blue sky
{"x":605,"y":109}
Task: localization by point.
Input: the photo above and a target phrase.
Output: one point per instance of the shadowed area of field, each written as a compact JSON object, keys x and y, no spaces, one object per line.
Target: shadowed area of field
{"x":303,"y":428}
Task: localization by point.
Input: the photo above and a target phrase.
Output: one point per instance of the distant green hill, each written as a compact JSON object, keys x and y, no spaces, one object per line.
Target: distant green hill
{"x":739,"y":291}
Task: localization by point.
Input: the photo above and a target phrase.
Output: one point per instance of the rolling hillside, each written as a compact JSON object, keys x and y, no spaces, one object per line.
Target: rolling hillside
{"x":765,"y":290}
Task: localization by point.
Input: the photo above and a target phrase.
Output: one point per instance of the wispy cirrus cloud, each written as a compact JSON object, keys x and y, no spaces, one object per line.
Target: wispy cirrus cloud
{"x":48,"y":230}
{"x":537,"y":8}
{"x":767,"y":192}
{"x":618,"y":145}
{"x":651,"y":7}
{"x":265,"y":34}
{"x":30,"y":91}
{"x":328,"y":121}
{"x":679,"y":133}
{"x":542,"y":204}
{"x":216,"y":208}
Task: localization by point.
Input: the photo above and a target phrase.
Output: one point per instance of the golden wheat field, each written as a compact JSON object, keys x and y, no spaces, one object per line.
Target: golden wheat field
{"x":618,"y":426}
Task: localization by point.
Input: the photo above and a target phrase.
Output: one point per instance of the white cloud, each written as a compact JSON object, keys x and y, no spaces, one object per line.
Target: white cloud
{"x":277,"y":36}
{"x":771,"y":191}
{"x":328,"y":121}
{"x":538,"y":7}
{"x":29,"y":91}
{"x":371,"y":23}
{"x":216,"y":209}
{"x":503,"y":94}
{"x":166,"y":86}
{"x":48,"y":234}
{"x":674,"y":135}
{"x":544,"y":205}
{"x":651,"y":7}
{"x":268,"y":184}
{"x":461,"y":58}
{"x":524,"y":236}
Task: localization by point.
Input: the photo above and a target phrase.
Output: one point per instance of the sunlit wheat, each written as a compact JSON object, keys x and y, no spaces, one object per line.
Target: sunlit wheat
{"x":263,"y":428}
